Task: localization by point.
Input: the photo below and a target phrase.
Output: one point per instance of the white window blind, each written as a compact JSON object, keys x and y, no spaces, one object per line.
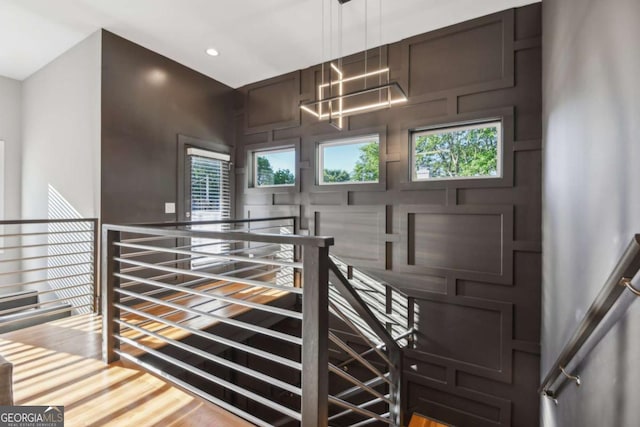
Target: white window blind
{"x":210,"y":197}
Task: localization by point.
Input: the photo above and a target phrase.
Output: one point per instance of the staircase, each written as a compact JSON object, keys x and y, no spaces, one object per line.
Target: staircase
{"x":260,"y":321}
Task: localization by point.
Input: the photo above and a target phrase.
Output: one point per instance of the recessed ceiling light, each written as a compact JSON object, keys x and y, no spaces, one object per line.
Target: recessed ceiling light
{"x":213,"y":52}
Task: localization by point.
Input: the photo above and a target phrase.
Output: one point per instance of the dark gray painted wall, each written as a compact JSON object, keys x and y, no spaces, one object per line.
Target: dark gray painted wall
{"x":478,"y":290}
{"x":147,"y":100}
{"x":591,"y":197}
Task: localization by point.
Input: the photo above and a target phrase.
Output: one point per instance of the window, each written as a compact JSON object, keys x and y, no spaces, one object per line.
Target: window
{"x":274,"y":168}
{"x":461,"y":152}
{"x":210,"y":199}
{"x":349,"y":161}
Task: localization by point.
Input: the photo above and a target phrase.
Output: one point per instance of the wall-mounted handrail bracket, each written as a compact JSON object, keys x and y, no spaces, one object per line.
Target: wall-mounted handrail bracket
{"x":550,"y":395}
{"x":575,"y":378}
{"x":621,"y":276}
{"x":626,"y":282}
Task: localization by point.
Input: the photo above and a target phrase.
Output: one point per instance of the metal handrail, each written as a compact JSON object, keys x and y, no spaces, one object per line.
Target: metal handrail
{"x":213,"y":222}
{"x":619,"y":280}
{"x":283,"y":239}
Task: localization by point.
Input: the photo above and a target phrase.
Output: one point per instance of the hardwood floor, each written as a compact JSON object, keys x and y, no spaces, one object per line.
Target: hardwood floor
{"x":418,"y":420}
{"x":59,"y":364}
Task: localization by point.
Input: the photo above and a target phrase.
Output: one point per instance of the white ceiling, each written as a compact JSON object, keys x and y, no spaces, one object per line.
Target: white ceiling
{"x":257,"y":39}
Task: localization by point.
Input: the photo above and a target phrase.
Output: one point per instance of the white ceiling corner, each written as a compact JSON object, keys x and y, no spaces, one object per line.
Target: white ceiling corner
{"x":257,"y":39}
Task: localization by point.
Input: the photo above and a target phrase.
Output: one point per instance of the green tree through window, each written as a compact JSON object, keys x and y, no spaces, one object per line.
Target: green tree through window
{"x":267,"y":175}
{"x":361,"y":156}
{"x":468,"y":152}
{"x":367,"y":167}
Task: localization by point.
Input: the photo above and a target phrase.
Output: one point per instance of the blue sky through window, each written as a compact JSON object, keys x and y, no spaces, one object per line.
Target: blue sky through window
{"x":343,"y":157}
{"x":281,"y":160}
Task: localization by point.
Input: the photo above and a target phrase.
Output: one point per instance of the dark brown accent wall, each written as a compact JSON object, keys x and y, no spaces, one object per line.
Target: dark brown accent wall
{"x":147,"y":100}
{"x":468,"y":252}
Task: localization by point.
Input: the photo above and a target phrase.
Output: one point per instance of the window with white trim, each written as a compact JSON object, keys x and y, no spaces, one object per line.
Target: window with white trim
{"x":349,"y":161}
{"x":468,"y":151}
{"x":274,"y":167}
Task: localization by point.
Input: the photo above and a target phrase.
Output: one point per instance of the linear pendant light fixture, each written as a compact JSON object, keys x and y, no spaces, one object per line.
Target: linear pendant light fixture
{"x":340,"y":94}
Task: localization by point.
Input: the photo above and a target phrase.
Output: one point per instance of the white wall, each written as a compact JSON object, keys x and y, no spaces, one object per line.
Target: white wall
{"x":61,"y":135}
{"x":10,"y":129}
{"x":591,"y":122}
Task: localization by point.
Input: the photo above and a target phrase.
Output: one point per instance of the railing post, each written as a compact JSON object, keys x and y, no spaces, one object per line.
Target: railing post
{"x":395,"y":393}
{"x":96,"y":268}
{"x":109,"y":296}
{"x":315,"y":326}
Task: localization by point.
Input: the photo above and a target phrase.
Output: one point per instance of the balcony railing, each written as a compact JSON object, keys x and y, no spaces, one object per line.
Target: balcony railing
{"x":244,"y":316}
{"x":47,"y":270}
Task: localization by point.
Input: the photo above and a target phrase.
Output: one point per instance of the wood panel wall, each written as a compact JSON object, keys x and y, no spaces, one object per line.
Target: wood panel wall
{"x":468,"y":252}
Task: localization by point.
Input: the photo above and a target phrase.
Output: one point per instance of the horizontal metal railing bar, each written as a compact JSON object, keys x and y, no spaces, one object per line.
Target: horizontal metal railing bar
{"x":49,"y":279}
{"x":43,"y":303}
{"x":356,"y":321}
{"x":216,"y":359}
{"x":48,"y":268}
{"x":198,"y":392}
{"x":361,"y":405}
{"x":349,"y":323}
{"x":48,"y":313}
{"x":159,"y":277}
{"x":46,"y":233}
{"x":216,"y":338}
{"x":375,"y":303}
{"x":356,"y":409}
{"x":357,"y":383}
{"x":79,"y":242}
{"x":205,"y":254}
{"x":626,"y":267}
{"x":235,"y":258}
{"x":373,"y":382}
{"x":254,"y":229}
{"x":223,"y":221}
{"x":30,"y":295}
{"x":210,"y":276}
{"x":223,"y":319}
{"x":372,"y":304}
{"x":45,"y":221}
{"x":381,"y":346}
{"x":290,"y":239}
{"x":366,"y":279}
{"x":147,"y":239}
{"x":201,"y":281}
{"x":210,"y":377}
{"x":276,"y":310}
{"x":369,"y":421}
{"x":50,"y":256}
{"x":363,"y":311}
{"x":181,"y":297}
{"x":351,"y":352}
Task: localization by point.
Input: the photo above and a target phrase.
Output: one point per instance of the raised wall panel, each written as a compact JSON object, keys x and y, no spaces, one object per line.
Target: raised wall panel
{"x":472,"y":242}
{"x":273,"y":104}
{"x":474,"y":336}
{"x":471,"y":57}
{"x":359,"y":232}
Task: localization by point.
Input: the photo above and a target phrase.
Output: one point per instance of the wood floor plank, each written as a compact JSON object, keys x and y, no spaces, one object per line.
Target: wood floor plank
{"x":59,"y":364}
